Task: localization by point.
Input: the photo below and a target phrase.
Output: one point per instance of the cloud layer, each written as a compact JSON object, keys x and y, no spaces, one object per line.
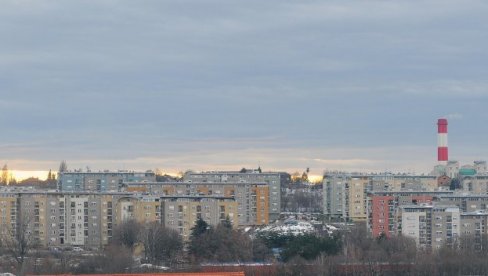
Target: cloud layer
{"x":192,"y":84}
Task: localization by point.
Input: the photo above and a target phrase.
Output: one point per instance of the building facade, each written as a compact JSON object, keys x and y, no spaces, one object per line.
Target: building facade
{"x":181,"y":213}
{"x":275,"y":181}
{"x":252,"y":198}
{"x":383,"y":208}
{"x":100,"y":181}
{"x":77,"y":219}
{"x":430,"y":226}
{"x":8,"y":214}
{"x":474,"y":227}
{"x":466,"y":203}
{"x":87,"y":219}
{"x":345,"y":196}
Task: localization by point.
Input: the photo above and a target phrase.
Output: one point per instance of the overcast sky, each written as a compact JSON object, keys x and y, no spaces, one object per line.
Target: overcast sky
{"x":176,"y":85}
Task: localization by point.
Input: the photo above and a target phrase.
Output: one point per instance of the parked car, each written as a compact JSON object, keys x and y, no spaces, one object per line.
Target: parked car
{"x":77,"y":249}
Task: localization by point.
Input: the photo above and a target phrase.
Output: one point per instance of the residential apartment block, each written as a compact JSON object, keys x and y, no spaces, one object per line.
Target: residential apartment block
{"x":474,"y":228}
{"x":8,"y":214}
{"x":252,"y":198}
{"x":142,"y":208}
{"x":433,"y":219}
{"x":345,"y":196}
{"x":430,"y":226}
{"x":80,"y":219}
{"x":275,"y":181}
{"x":401,"y":182}
{"x":100,"y":181}
{"x":475,"y":184}
{"x":180,"y":213}
{"x":87,"y":219}
{"x":383,"y":208}
{"x":465,"y":202}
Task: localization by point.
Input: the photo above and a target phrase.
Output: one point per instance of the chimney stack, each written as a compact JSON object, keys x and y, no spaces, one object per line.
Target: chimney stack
{"x":442,"y":152}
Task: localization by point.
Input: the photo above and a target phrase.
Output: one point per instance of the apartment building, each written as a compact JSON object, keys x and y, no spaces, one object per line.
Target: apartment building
{"x":383,"y":208}
{"x":181,"y":213}
{"x":100,"y":181}
{"x":474,"y":227}
{"x":252,"y":198}
{"x":58,"y":219}
{"x":335,"y":196}
{"x":8,"y":214}
{"x":87,"y":219}
{"x":430,"y":226}
{"x":275,"y":181}
{"x":466,"y":202}
{"x":475,"y":184}
{"x":32,"y":216}
{"x":142,"y":208}
{"x":383,"y":215}
{"x":391,"y":182}
{"x":345,"y":196}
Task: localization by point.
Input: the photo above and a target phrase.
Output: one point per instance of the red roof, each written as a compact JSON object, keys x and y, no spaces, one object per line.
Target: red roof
{"x":164,"y":274}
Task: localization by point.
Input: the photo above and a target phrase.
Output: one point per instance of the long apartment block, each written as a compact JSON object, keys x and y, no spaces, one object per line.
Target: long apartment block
{"x":101,"y":181}
{"x":275,"y":181}
{"x":252,"y":198}
{"x":79,"y":219}
{"x":465,"y":202}
{"x":88,"y":219}
{"x":177,"y":212}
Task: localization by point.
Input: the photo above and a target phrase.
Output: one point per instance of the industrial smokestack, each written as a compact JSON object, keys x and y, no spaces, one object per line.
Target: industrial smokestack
{"x":442,"y":155}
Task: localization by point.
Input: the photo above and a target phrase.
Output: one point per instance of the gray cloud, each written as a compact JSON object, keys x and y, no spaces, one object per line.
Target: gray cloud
{"x":209,"y":83}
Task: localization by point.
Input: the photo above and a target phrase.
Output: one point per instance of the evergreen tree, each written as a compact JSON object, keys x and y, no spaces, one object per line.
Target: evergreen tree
{"x":197,"y":231}
{"x":200,"y":227}
{"x":226,"y":223}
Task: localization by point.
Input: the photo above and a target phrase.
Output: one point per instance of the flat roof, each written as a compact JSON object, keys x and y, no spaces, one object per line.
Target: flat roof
{"x":194,"y":183}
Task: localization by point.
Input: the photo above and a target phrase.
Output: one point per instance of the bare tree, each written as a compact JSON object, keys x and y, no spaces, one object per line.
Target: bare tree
{"x":127,"y":233}
{"x":161,"y":244}
{"x":19,"y":241}
{"x":63,"y":166}
{"x":114,"y":259}
{"x":5,"y":175}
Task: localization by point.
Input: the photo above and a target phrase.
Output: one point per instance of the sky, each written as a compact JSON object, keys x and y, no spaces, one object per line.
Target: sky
{"x":207,"y":85}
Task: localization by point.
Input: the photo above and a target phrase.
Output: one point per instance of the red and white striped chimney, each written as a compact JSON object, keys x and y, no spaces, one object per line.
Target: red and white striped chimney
{"x":442,"y":155}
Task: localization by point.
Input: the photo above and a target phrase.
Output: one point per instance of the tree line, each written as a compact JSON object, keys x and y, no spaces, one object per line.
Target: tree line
{"x":160,"y":246}
{"x":350,"y":252}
